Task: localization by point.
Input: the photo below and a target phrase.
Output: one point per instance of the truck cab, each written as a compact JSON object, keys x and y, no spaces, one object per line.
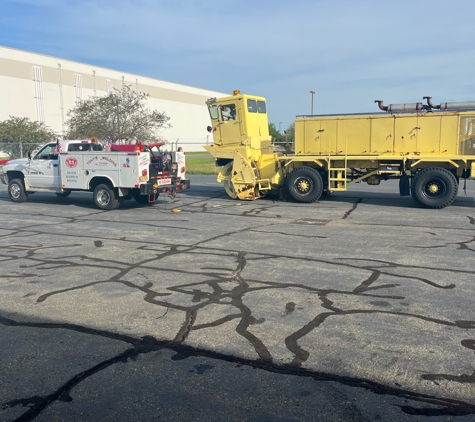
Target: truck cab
{"x":238,"y":119}
{"x":41,"y":169}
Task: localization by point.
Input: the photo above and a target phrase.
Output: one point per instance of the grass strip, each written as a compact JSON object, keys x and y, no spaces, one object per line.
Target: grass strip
{"x":200,"y":165}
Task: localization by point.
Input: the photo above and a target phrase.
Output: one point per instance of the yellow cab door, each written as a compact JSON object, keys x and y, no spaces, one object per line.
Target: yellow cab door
{"x":229,"y":127}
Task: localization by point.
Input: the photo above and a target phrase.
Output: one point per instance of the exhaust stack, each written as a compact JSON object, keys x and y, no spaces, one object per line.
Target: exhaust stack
{"x":460,"y":105}
{"x":404,"y":108}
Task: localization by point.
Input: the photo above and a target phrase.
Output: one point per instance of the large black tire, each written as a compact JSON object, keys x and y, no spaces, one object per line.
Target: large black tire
{"x":64,"y":194}
{"x":16,"y":190}
{"x":304,"y":184}
{"x":105,"y":197}
{"x":434,"y":187}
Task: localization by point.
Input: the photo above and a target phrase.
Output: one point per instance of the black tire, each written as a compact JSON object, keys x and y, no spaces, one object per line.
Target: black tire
{"x":304,"y":184}
{"x":16,"y":190}
{"x":120,"y":201}
{"x":105,"y":197}
{"x":64,"y":194}
{"x":434,"y":187}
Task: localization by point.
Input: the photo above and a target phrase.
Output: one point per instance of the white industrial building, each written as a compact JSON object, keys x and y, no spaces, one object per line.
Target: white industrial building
{"x":43,"y":88}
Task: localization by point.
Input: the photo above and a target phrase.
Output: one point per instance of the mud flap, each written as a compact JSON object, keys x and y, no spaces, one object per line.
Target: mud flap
{"x":404,"y":184}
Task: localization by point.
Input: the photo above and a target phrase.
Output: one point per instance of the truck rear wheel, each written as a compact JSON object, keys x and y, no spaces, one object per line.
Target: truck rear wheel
{"x":105,"y":197}
{"x":434,"y":187}
{"x":16,"y":191}
{"x":304,"y":184}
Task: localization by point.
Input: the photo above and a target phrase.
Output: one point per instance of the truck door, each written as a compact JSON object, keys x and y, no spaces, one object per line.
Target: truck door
{"x":229,"y":129}
{"x":43,"y":168}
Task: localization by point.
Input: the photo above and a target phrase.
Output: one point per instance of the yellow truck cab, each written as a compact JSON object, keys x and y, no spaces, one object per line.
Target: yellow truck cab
{"x":238,"y":119}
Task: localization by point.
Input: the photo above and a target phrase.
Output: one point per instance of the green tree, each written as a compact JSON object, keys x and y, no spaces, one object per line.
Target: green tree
{"x":289,"y":135}
{"x":275,"y":134}
{"x":290,"y":132}
{"x":20,"y":134}
{"x":121,"y":115}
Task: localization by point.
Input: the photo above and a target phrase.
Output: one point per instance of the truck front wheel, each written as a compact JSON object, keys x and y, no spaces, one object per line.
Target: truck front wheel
{"x":304,"y":184}
{"x":105,"y":197}
{"x":16,"y":191}
{"x":434,"y":187}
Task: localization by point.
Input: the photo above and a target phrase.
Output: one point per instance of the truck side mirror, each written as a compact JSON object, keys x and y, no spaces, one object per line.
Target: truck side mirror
{"x":29,"y":155}
{"x":209,"y":129}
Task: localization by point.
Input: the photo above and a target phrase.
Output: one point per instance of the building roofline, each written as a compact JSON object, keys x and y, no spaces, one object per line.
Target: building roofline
{"x":123,"y":73}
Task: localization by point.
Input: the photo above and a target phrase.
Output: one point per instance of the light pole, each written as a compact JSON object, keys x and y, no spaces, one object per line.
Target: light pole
{"x":313,"y":93}
{"x":280,"y":124}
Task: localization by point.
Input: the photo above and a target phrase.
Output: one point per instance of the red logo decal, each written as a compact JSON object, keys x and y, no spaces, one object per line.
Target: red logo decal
{"x":71,"y":162}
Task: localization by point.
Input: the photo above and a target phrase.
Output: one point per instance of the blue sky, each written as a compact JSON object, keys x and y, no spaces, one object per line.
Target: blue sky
{"x":350,"y":52}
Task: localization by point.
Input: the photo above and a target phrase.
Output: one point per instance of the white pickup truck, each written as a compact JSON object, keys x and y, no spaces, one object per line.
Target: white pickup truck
{"x":139,"y":171}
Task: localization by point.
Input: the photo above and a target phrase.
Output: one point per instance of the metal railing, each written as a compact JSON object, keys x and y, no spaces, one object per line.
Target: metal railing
{"x":284,"y":146}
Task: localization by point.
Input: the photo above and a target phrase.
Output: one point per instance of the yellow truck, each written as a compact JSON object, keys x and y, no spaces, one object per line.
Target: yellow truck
{"x":428,"y":147}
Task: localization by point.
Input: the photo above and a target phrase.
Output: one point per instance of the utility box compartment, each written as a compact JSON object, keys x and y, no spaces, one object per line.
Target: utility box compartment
{"x":433,"y":133}
{"x":126,"y":170}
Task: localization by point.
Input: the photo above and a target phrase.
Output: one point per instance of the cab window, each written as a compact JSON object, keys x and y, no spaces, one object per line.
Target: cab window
{"x":228,"y":112}
{"x":78,"y":147}
{"x":213,"y":112}
{"x":252,"y":106}
{"x":261,"y":107}
{"x":85,"y":147}
{"x":73,"y":147}
{"x":47,"y":153}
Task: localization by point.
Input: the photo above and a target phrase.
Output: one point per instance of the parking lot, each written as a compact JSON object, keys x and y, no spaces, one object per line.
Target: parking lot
{"x":359,"y":307}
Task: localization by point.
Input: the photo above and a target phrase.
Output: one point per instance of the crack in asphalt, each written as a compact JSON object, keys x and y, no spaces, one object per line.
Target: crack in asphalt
{"x":228,"y":286}
{"x":353,"y":208}
{"x":148,"y":344}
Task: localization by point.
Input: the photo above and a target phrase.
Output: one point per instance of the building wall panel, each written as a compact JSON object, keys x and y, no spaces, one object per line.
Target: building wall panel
{"x":185,"y":105}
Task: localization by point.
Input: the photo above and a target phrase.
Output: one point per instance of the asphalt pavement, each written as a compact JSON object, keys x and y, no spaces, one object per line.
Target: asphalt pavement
{"x":359,"y":307}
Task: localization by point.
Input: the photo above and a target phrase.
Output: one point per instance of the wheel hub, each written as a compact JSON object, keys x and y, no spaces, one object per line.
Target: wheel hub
{"x":433,"y":188}
{"x":103,"y":197}
{"x":15,"y":191}
{"x":303,"y":185}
